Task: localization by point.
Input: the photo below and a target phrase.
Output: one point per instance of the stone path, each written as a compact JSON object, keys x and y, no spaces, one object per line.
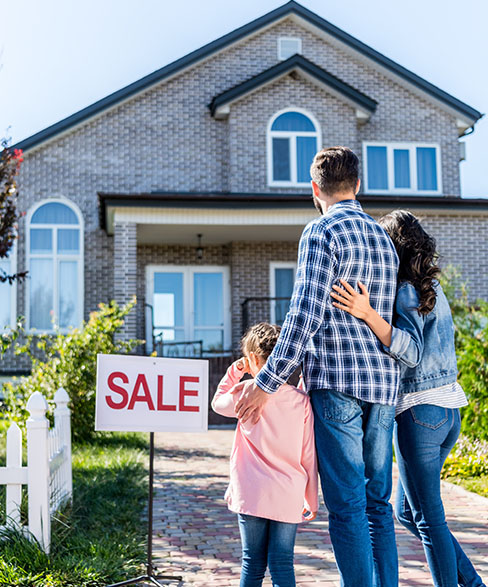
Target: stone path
{"x":197,"y":537}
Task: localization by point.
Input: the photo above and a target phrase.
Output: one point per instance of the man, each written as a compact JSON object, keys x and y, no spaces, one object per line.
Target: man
{"x":352,"y":383}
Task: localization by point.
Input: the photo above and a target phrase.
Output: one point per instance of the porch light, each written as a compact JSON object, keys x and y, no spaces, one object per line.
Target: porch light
{"x":199,"y":249}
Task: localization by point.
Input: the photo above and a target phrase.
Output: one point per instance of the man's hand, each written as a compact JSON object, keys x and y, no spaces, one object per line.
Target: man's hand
{"x":251,"y":405}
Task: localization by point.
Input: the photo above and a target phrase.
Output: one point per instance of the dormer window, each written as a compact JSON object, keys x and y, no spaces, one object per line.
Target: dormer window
{"x":293,"y":139}
{"x":288,"y":46}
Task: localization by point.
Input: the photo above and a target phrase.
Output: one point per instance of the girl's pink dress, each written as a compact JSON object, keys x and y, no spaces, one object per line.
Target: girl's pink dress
{"x":273,"y":466}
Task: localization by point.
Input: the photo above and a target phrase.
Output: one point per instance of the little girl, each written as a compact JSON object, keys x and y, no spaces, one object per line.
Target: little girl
{"x":427,"y":412}
{"x":273,"y":469}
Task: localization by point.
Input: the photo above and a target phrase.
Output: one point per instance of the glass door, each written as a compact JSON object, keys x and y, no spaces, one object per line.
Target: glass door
{"x":188,"y":304}
{"x":282,"y":280}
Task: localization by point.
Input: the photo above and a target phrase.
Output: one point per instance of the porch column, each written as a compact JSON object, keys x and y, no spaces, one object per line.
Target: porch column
{"x":125,"y":271}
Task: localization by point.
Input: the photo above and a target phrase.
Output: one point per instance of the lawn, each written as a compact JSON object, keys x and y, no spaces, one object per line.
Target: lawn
{"x":101,"y":538}
{"x":475,"y":484}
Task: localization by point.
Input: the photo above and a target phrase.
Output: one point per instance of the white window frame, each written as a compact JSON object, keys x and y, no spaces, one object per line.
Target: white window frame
{"x":292,"y":135}
{"x":272,"y":282}
{"x":13,"y":292}
{"x":412,"y":148}
{"x":56,"y":256}
{"x":188,"y":298}
{"x":296,"y":39}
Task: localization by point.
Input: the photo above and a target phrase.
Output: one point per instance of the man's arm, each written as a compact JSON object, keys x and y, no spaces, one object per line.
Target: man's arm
{"x":316,"y":272}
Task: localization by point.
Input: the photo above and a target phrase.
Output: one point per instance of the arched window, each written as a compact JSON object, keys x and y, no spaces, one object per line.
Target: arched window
{"x":293,"y":140}
{"x":55,"y":266}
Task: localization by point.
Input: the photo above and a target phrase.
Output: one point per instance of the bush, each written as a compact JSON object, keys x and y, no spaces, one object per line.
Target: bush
{"x":468,"y":459}
{"x":471,"y":326}
{"x":69,"y":361}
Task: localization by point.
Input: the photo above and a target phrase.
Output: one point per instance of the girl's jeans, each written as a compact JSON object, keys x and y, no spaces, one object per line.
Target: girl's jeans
{"x":424,"y":436}
{"x":267,"y":543}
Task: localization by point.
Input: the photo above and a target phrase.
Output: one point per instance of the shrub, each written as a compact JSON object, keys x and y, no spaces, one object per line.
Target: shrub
{"x":69,"y":361}
{"x":469,"y":458}
{"x":471,"y":326}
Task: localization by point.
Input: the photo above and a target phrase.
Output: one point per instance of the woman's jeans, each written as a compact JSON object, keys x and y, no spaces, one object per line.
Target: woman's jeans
{"x":267,"y":543}
{"x":424,"y":436}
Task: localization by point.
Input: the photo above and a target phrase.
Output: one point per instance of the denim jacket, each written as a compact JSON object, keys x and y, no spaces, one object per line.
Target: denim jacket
{"x":423,"y":344}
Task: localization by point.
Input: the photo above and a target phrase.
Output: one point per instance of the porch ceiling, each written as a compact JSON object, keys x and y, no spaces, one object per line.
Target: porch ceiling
{"x":186,"y":234}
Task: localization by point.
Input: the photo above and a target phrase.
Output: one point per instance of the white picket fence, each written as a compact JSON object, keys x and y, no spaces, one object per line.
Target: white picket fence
{"x":48,"y":473}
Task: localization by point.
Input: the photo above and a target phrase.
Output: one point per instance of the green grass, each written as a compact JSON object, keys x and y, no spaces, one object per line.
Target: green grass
{"x":477,"y":484}
{"x":100,"y":539}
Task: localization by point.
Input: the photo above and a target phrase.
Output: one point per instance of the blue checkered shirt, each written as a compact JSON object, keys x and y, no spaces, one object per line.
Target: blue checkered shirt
{"x":336,"y":350}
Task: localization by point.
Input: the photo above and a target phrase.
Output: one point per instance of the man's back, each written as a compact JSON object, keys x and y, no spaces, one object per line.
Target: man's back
{"x":339,"y":351}
{"x":344,"y":354}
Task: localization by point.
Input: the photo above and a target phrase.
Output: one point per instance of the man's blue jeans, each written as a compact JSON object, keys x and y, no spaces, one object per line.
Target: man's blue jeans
{"x":354,"y":452}
{"x":267,"y":543}
{"x":424,"y":436}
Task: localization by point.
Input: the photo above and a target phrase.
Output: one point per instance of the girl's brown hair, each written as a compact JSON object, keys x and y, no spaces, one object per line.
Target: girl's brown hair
{"x":417,"y":253}
{"x":260,"y":339}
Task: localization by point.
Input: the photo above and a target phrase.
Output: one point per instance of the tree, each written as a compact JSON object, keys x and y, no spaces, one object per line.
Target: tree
{"x":10,"y":161}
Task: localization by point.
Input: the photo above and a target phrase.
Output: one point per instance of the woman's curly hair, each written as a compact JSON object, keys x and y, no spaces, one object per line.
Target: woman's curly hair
{"x":260,"y":339}
{"x":417,"y":253}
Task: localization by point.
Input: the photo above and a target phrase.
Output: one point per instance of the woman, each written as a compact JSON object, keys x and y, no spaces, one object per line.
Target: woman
{"x":427,"y":413}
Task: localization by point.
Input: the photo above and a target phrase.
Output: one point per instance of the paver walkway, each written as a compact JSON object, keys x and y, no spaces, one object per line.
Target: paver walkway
{"x":197,"y":537}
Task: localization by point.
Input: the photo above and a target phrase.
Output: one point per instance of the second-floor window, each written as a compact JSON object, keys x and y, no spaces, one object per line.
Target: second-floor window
{"x":293,"y":139}
{"x":402,"y":168}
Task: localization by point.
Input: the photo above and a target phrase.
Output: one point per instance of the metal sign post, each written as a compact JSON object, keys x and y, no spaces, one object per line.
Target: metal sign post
{"x":149,"y":577}
{"x":149,"y":394}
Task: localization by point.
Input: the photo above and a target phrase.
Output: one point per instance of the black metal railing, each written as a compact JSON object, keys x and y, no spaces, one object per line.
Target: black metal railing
{"x":263,"y":309}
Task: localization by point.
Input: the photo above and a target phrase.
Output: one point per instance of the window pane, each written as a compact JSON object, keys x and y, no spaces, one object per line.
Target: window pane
{"x":68,"y":240}
{"x":68,"y":293}
{"x":41,"y":294}
{"x":284,"y":281}
{"x":41,"y":240}
{"x":168,"y":299}
{"x":377,"y":168}
{"x":281,"y":159}
{"x":54,"y":213}
{"x":426,"y":168}
{"x":5,"y":295}
{"x":169,"y":334}
{"x":306,"y":149}
{"x":293,"y":121}
{"x":402,"y":168}
{"x":213,"y":340}
{"x":208,"y":299}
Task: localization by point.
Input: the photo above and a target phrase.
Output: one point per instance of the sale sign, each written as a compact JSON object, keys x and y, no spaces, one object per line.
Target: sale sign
{"x":151,"y":394}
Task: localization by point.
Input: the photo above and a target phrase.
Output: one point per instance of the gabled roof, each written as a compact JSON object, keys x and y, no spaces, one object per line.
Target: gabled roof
{"x":365,"y":104}
{"x":468,"y":114}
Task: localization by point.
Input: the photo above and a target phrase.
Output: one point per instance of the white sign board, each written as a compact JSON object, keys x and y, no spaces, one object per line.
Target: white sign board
{"x":151,"y":394}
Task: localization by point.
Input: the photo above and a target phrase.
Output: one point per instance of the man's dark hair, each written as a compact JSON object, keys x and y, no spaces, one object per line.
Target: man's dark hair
{"x":335,"y":170}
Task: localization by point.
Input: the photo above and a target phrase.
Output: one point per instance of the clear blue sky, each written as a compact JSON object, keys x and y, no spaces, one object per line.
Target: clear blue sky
{"x":58,"y":56}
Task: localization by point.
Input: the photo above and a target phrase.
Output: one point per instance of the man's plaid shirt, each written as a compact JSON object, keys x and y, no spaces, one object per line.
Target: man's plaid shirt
{"x":338,"y":351}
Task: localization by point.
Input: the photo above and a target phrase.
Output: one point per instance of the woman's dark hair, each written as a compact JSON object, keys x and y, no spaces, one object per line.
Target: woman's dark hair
{"x":417,"y":253}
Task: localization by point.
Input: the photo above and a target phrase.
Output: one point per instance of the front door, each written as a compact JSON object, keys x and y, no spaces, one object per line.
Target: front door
{"x":189,"y":303}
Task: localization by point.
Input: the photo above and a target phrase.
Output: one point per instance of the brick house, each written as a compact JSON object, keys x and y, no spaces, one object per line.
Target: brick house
{"x":190,"y":187}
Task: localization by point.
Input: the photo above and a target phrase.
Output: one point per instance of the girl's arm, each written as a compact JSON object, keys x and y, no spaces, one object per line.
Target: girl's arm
{"x":405,"y":341}
{"x":309,"y":463}
{"x":223,"y":401}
